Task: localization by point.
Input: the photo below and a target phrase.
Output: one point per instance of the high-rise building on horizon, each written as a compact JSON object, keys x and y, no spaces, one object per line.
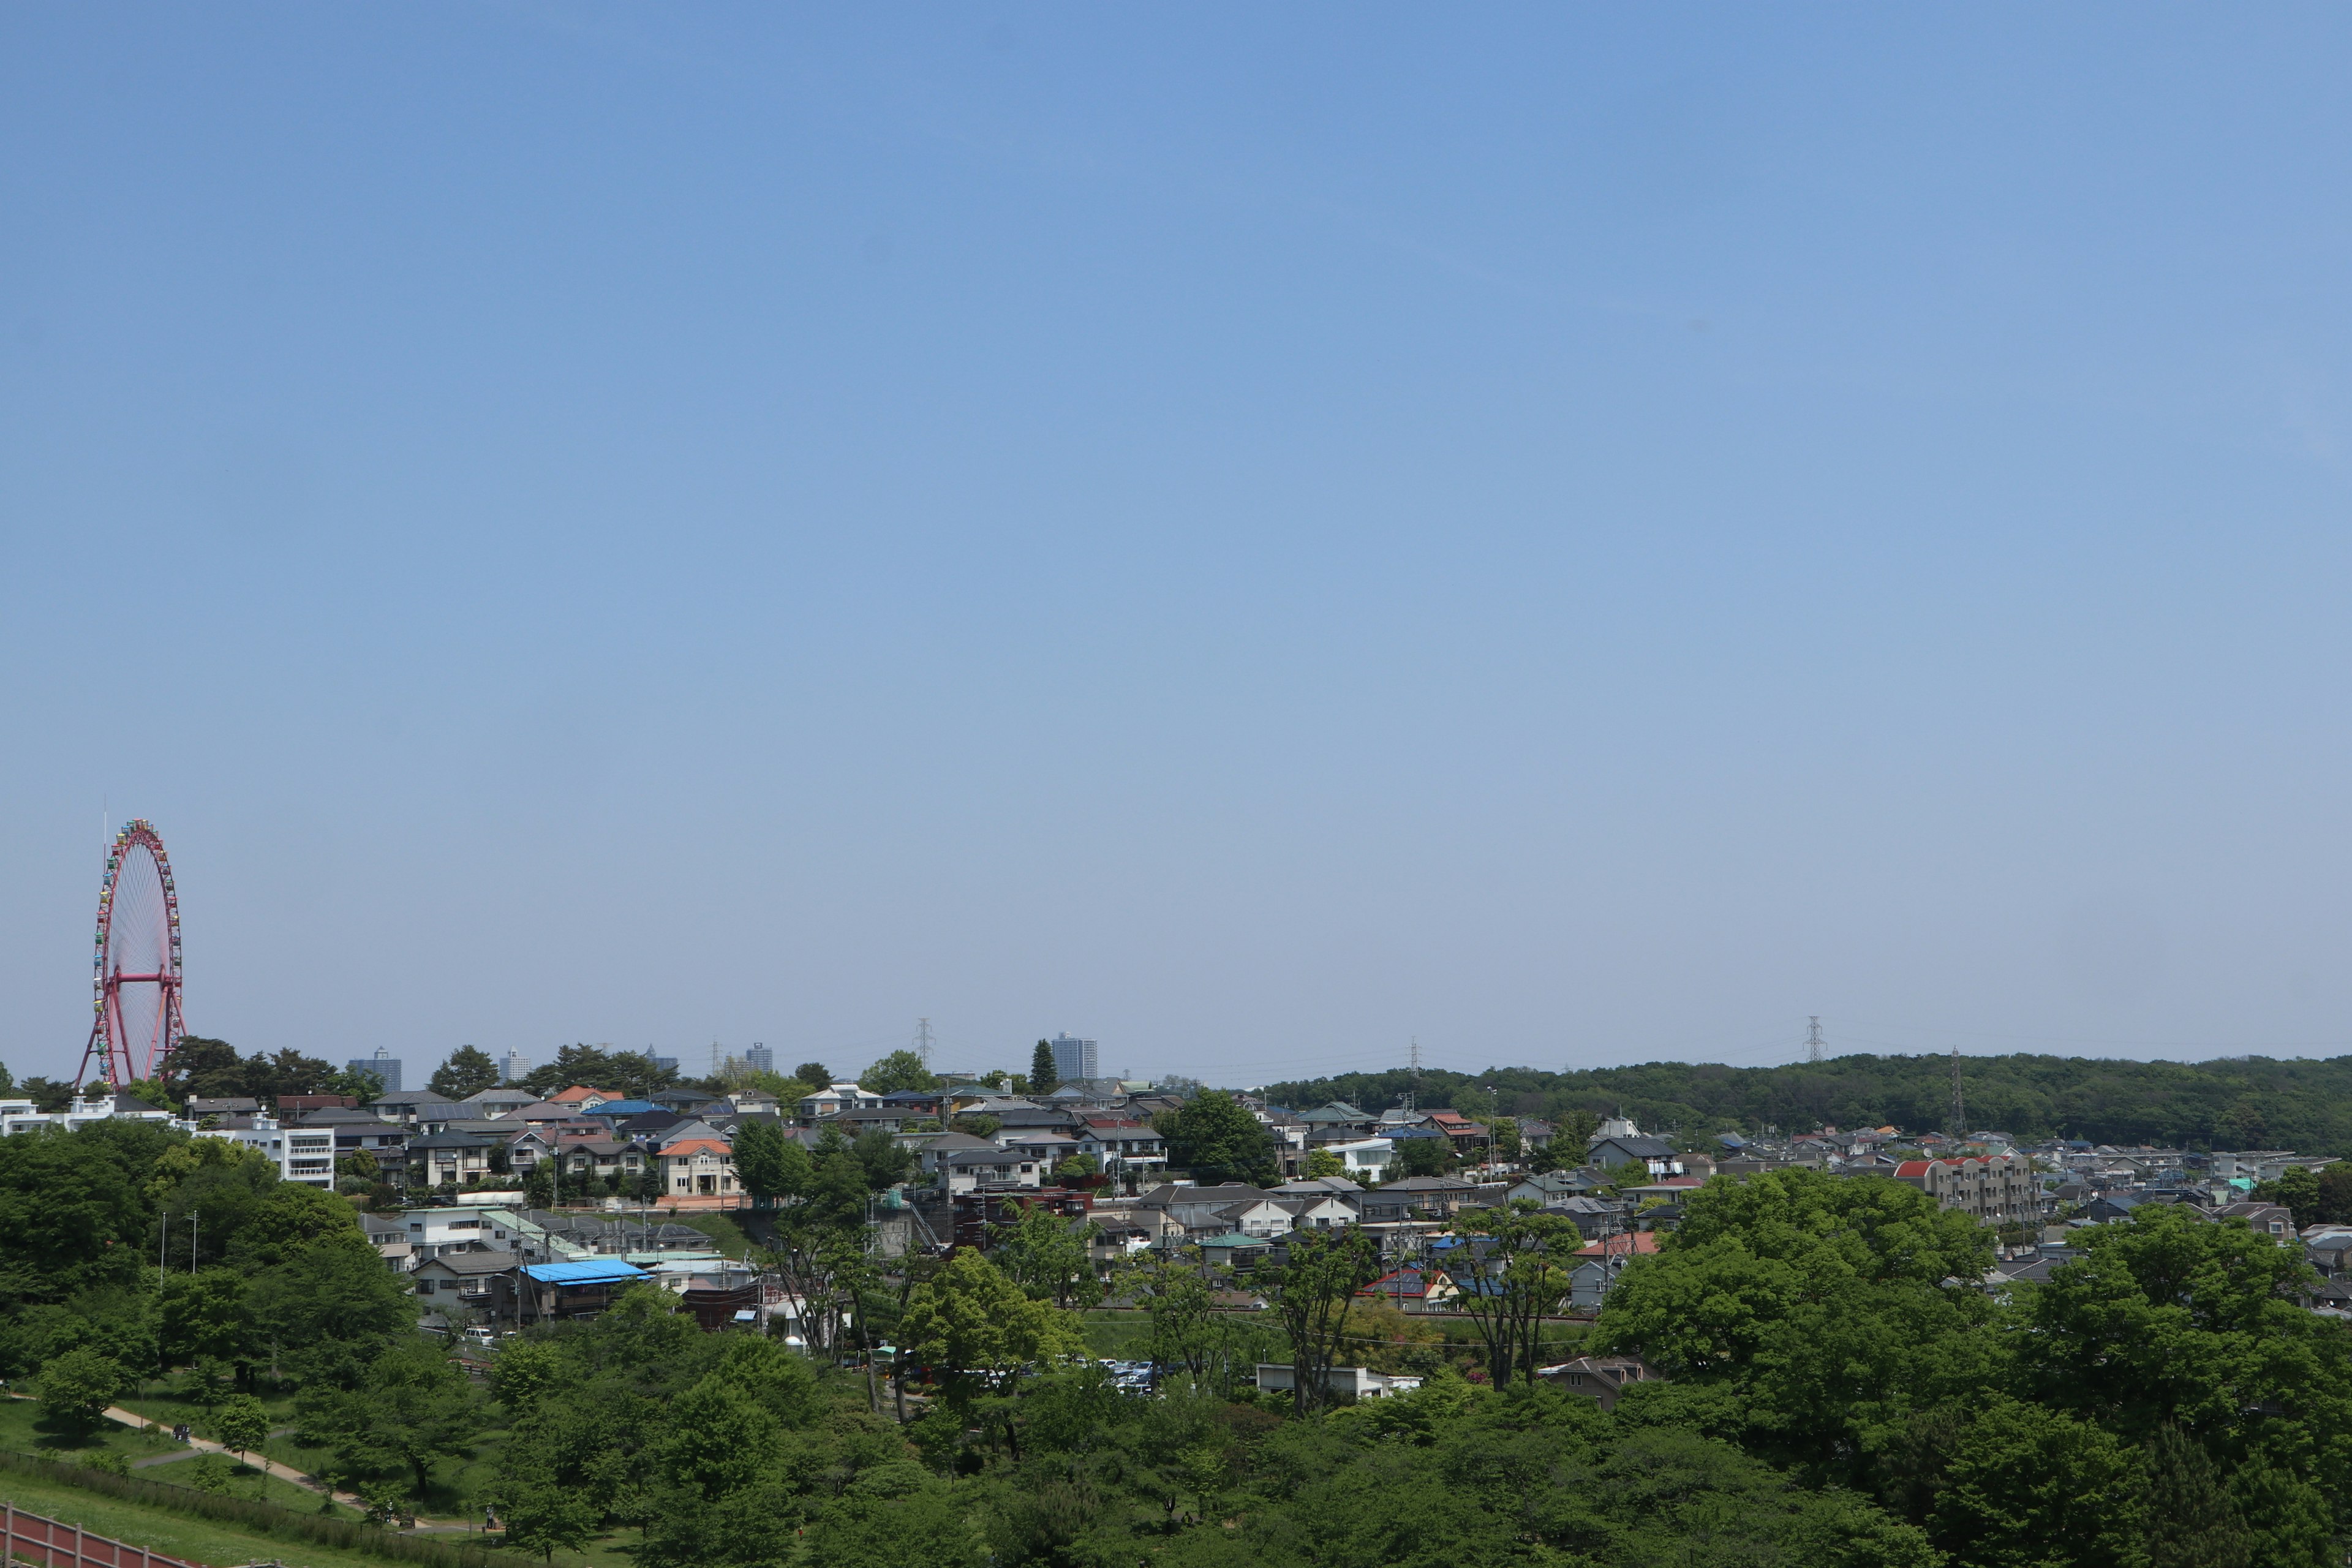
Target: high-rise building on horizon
{"x":384,"y":1064}
{"x":1073,"y":1058}
{"x":513,"y":1067}
{"x":662,"y":1063}
{"x":759,"y":1058}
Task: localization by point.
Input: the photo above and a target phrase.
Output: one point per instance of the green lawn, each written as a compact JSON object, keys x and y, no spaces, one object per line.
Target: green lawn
{"x":23,"y":1431}
{"x":720,"y":1228}
{"x":243,"y":1481}
{"x":197,"y":1540}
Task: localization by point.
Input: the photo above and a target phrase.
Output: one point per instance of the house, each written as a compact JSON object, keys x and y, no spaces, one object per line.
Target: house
{"x":698,"y":1167}
{"x":1598,"y":1266}
{"x":969,"y":1169}
{"x":1234,"y":1249}
{"x":936,"y":1146}
{"x":480,"y":1284}
{"x":1318,"y":1211}
{"x":411,"y":1107}
{"x":1601,"y":1378}
{"x":1594,"y":1217}
{"x":1413,"y":1290}
{"x":304,"y":1104}
{"x":1346,"y":1381}
{"x":503,"y":1100}
{"x":1419,"y":1197}
{"x":200,"y":1106}
{"x":549,"y":1291}
{"x":1364,"y":1156}
{"x":2271,"y":1219}
{"x":389,"y":1237}
{"x":1337,"y":1121}
{"x":834,"y":1098}
{"x":1121,"y":1147}
{"x":1614,"y":1152}
{"x":1199,"y":1211}
{"x":1468,"y":1137}
{"x":450,"y":1159}
{"x":1552,"y":1186}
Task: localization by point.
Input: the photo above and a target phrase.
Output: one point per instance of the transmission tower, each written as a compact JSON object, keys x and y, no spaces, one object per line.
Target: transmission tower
{"x":923,"y":1041}
{"x":1813,"y":1040}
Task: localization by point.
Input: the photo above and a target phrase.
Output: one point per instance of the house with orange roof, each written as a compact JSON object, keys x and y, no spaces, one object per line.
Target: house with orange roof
{"x":586,"y":1098}
{"x":1599,"y":1264}
{"x":699,"y":1167}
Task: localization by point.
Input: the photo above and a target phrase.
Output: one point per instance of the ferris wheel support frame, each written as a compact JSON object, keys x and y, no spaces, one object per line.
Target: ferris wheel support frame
{"x":110,"y":1046}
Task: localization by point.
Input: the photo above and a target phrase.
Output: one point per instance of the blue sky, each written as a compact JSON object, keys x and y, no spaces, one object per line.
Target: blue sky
{"x":1255,"y":534}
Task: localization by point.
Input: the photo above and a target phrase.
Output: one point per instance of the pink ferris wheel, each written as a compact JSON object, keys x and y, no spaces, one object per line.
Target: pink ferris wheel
{"x":135,"y":971}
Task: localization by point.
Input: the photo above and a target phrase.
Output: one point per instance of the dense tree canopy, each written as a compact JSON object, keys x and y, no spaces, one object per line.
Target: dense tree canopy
{"x":1218,"y":1141}
{"x":2243,"y":1102}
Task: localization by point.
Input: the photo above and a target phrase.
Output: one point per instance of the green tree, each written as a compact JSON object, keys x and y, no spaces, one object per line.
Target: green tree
{"x":770,"y":1163}
{"x":816,"y":1074}
{"x":1425,"y":1157}
{"x":1047,"y":1255}
{"x":541,"y":1512}
{"x":240,"y":1423}
{"x":1323,"y":1163}
{"x":468,"y":1072}
{"x":881,"y":1158}
{"x":2030,"y":1488}
{"x":1043,"y":1078}
{"x":1311,"y":1293}
{"x":979,"y":1329}
{"x":899,"y":1070}
{"x":1513,"y":1273}
{"x":414,"y":1409}
{"x":2193,"y":1523}
{"x":77,"y":1387}
{"x":205,"y":1313}
{"x":1218,"y":1141}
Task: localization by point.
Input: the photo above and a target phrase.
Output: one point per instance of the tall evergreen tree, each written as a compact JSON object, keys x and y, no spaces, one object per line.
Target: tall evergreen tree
{"x":468,"y":1071}
{"x":1043,"y":1079}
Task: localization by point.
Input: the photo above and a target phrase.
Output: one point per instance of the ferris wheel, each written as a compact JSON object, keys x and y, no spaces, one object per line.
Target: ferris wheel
{"x":135,"y":967}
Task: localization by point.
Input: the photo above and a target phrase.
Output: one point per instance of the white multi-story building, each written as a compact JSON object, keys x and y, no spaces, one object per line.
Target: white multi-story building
{"x":513,"y":1067}
{"x":302,"y":1154}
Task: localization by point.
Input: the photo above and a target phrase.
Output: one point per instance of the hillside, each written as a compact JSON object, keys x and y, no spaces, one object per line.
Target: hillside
{"x":2242,"y":1102}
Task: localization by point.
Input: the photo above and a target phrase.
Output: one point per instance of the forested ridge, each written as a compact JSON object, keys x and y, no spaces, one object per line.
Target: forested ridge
{"x":2236,"y":1103}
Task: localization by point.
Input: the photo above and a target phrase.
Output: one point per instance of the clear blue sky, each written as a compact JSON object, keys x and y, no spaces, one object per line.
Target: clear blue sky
{"x":1579,"y":534}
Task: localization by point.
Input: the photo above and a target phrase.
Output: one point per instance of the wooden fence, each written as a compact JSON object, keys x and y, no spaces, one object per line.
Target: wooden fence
{"x":36,"y":1539}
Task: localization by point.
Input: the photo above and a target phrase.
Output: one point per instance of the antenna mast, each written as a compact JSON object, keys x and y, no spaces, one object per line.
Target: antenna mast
{"x":1813,"y":1040}
{"x":1959,"y":1105}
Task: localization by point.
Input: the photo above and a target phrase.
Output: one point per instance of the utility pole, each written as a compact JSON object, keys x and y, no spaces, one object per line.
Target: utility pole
{"x":1813,"y":1040}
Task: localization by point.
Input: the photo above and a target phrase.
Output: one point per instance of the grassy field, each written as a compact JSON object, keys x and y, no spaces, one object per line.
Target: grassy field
{"x":243,"y":1481}
{"x":197,"y":1540}
{"x":21,"y":1431}
{"x":721,"y":1228}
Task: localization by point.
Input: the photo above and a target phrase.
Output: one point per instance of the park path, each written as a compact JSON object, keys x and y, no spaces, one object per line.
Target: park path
{"x":283,"y":1472}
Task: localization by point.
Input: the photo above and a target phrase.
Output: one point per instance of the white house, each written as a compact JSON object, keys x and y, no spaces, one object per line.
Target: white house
{"x":968,"y":1169}
{"x":835,"y":1098}
{"x":1364,"y":1156}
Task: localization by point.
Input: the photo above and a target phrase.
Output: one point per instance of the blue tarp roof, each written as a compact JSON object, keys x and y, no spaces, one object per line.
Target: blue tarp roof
{"x":625,"y":1108}
{"x":593,"y":1271}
